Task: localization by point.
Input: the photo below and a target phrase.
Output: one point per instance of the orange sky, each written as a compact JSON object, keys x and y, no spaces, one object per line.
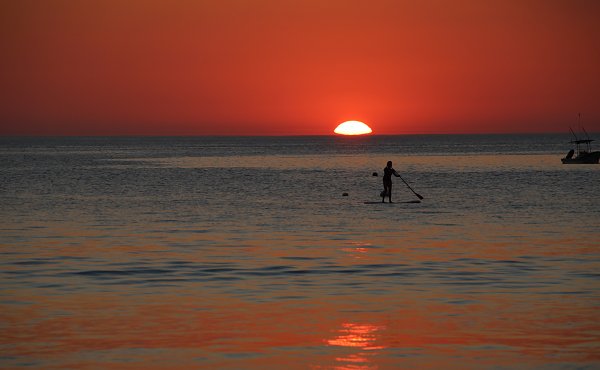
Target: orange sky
{"x":283,"y":67}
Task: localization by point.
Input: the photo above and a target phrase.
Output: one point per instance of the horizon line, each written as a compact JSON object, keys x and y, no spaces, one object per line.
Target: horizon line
{"x":283,"y":135}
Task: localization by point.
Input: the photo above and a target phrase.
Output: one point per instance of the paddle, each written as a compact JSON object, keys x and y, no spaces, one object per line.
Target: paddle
{"x":411,"y":189}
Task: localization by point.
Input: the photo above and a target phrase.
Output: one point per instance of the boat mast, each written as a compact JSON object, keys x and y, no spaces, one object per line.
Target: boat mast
{"x":579,"y":122}
{"x":573,"y":133}
{"x":589,"y":142}
{"x":576,"y":141}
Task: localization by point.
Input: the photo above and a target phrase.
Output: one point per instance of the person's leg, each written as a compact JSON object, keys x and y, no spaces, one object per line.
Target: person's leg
{"x":390,"y":192}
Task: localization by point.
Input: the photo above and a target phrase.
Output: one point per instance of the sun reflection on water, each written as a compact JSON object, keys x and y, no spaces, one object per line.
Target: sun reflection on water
{"x":358,"y":250}
{"x":362,"y":337}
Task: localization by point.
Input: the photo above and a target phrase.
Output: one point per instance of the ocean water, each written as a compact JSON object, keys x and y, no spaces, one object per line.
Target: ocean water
{"x":242,"y":253}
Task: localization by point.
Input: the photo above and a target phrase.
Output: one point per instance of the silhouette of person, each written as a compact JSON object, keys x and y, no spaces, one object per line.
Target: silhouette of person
{"x":388,"y":171}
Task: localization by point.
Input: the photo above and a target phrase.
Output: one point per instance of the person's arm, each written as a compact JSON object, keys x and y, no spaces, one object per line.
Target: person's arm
{"x":396,"y":174}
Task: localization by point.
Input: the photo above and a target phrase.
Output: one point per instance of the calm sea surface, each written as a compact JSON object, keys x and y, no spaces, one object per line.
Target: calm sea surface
{"x":242,"y":253}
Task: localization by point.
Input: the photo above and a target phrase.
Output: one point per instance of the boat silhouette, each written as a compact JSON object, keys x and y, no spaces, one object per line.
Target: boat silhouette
{"x":582,"y":154}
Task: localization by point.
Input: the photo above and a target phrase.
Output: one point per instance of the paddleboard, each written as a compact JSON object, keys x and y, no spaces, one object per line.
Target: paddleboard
{"x":410,"y":201}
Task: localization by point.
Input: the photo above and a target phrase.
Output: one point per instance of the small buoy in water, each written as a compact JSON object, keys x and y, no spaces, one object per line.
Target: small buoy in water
{"x":374,"y":173}
{"x":344,"y":194}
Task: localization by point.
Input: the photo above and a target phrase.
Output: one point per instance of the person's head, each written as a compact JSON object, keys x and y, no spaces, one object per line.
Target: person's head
{"x":389,"y":164}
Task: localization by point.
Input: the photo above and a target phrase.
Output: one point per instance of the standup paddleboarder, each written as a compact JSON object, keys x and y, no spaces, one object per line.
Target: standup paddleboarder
{"x":388,"y":171}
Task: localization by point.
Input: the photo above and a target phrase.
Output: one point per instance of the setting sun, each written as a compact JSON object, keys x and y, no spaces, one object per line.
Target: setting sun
{"x":352,"y":128}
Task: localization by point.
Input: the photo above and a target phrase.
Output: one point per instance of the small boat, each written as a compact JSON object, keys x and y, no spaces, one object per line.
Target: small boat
{"x":581,"y":155}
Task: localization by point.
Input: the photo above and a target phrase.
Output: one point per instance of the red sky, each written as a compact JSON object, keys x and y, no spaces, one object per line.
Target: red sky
{"x":283,"y":67}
